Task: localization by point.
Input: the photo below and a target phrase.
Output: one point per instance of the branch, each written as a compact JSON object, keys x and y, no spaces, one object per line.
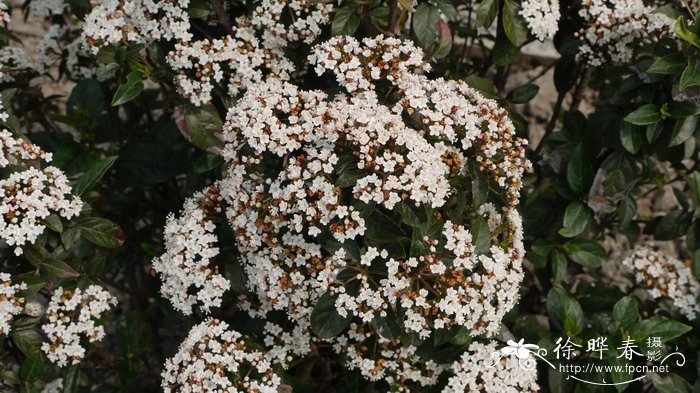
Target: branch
{"x":218,"y":6}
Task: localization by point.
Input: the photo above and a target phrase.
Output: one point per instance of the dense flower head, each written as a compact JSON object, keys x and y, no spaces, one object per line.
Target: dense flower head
{"x":136,"y":21}
{"x":343,"y":197}
{"x":482,"y":369}
{"x":30,"y":194}
{"x":667,"y":277}
{"x":214,"y":358}
{"x":252,"y":53}
{"x":614,"y":29}
{"x":190,"y":247}
{"x":73,"y":318}
{"x":10,"y":303}
{"x":542,"y":17}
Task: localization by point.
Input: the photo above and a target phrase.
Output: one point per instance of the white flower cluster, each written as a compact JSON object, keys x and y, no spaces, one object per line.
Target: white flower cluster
{"x":74,"y":316}
{"x":47,"y":8}
{"x":542,"y":17}
{"x":614,"y":28}
{"x":55,"y":386}
{"x":10,"y":304}
{"x":481,"y":370}
{"x":4,"y":12}
{"x":32,"y":194}
{"x":665,"y":276}
{"x":187,"y":264}
{"x":215,"y":359}
{"x":137,"y":21}
{"x":309,"y":178}
{"x":253,"y":52}
{"x":60,"y":46}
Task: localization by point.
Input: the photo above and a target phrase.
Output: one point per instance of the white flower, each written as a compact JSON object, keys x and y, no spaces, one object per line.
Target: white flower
{"x":29,"y":196}
{"x":542,"y":17}
{"x":10,"y":304}
{"x":215,"y":359}
{"x":74,"y":316}
{"x":479,"y":371}
{"x":665,"y":276}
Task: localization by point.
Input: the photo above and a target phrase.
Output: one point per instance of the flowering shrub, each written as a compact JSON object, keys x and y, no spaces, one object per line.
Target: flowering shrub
{"x":310,"y":196}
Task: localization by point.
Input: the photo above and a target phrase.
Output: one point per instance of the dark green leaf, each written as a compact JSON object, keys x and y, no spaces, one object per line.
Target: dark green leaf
{"x":513,"y":23}
{"x":128,"y":90}
{"x":684,"y":129}
{"x":576,"y":219}
{"x":28,"y":340}
{"x":579,"y":170}
{"x":645,"y":114}
{"x":345,"y":20}
{"x":100,"y":231}
{"x":585,"y":252}
{"x":631,"y":137}
{"x":32,"y":367}
{"x":425,"y":21}
{"x":325,"y":320}
{"x":523,"y":94}
{"x":665,"y":329}
{"x":625,"y":313}
{"x":669,"y":64}
{"x":93,"y":175}
{"x":486,"y":13}
{"x":52,"y":267}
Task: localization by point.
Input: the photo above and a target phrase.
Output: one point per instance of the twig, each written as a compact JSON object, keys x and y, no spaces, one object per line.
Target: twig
{"x":218,"y":6}
{"x":393,"y":8}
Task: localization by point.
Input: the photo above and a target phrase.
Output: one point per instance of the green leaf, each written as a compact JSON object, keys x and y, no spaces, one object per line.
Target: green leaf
{"x":486,"y":13}
{"x":579,"y":170}
{"x":87,"y":95}
{"x":631,"y":137}
{"x":684,"y":129}
{"x":513,"y":23}
{"x":93,"y":175}
{"x":585,"y":252}
{"x":71,"y":380}
{"x":681,"y":109}
{"x":669,"y":383}
{"x":653,"y":131}
{"x":665,"y":329}
{"x":693,"y":181}
{"x":645,"y":114}
{"x":425,"y":21}
{"x":32,"y":367}
{"x":201,"y":125}
{"x":69,"y":237}
{"x":625,"y":313}
{"x":128,"y":90}
{"x":52,"y":267}
{"x":686,"y":34}
{"x":481,"y":236}
{"x":669,"y":64}
{"x":523,"y":94}
{"x":448,"y":9}
{"x":53,"y":222}
{"x":346,"y":20}
{"x":559,"y":266}
{"x":28,"y":340}
{"x":325,"y":320}
{"x":565,"y":311}
{"x":690,"y":76}
{"x":576,"y":219}
{"x":673,"y":225}
{"x":80,"y":8}
{"x":504,"y":52}
{"x":100,"y":231}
